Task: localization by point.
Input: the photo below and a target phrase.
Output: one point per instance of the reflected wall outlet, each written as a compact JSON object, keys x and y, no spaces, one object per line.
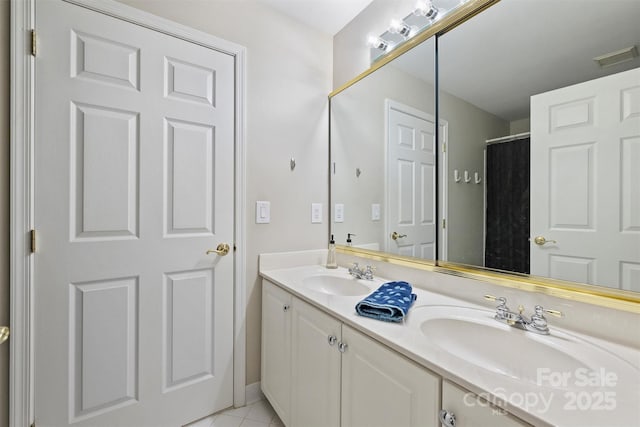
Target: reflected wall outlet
{"x":316,"y":213}
{"x":263,"y":212}
{"x":338,"y":212}
{"x":375,"y":212}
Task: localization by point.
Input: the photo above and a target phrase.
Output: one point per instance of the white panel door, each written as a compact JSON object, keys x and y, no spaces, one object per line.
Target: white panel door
{"x":134,"y":166}
{"x":585,"y":182}
{"x":411,"y":182}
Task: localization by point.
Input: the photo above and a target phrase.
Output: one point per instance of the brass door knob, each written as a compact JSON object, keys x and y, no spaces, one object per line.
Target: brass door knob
{"x":396,"y":236}
{"x":4,"y":333}
{"x":222,"y":249}
{"x":539,"y":240}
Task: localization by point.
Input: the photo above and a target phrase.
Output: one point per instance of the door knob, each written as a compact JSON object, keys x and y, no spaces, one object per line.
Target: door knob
{"x":4,"y":333}
{"x":222,"y":249}
{"x":396,"y":236}
{"x":448,"y":419}
{"x":539,"y":240}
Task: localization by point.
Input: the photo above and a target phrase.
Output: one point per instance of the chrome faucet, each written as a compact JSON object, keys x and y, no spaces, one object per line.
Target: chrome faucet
{"x":537,"y":323}
{"x":359,"y":273}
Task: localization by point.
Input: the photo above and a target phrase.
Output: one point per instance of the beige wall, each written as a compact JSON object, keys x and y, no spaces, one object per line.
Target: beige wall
{"x":288,"y":78}
{"x":520,"y":126}
{"x":4,"y":206}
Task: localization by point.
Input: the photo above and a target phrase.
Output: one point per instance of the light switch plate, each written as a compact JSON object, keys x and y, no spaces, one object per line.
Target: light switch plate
{"x":263,"y":212}
{"x":375,"y":212}
{"x":338,"y":212}
{"x":316,"y":213}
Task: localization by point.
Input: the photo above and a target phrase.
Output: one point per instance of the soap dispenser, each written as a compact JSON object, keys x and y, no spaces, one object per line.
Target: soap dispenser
{"x":349,"y":243}
{"x":331,"y":255}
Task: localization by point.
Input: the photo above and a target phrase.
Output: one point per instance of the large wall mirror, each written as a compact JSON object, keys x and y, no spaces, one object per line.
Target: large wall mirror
{"x":383,"y":177}
{"x":538,"y":151}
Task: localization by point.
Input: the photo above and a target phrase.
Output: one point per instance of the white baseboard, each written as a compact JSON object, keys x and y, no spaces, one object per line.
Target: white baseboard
{"x":253,"y":393}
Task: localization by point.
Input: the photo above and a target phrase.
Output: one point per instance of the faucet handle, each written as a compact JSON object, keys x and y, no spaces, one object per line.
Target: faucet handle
{"x":502,"y":301}
{"x":368,"y":272}
{"x":541,"y":311}
{"x":538,"y":322}
{"x":502,"y":311}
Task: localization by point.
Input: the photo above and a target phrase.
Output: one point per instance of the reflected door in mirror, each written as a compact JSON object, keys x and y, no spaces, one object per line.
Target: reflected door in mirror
{"x":411,"y":182}
{"x":585,"y":186}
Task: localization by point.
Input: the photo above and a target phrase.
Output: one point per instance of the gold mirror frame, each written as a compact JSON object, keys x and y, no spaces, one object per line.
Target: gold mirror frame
{"x":582,"y":292}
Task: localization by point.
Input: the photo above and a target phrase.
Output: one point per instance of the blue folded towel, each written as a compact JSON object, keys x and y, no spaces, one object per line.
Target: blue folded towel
{"x":390,"y":302}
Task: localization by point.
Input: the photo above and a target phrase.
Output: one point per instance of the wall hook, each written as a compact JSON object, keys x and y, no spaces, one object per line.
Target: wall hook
{"x":477,"y":178}
{"x":467,"y":178}
{"x":456,"y":175}
{"x":292,"y":163}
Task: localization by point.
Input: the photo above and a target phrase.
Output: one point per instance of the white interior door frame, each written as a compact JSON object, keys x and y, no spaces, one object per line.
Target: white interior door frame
{"x":22,"y":124}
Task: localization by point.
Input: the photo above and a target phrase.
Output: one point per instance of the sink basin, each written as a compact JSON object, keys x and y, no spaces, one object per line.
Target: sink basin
{"x":558,"y":360}
{"x":336,"y":285}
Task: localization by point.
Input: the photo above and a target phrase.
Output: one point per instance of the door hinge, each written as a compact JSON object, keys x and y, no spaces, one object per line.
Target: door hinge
{"x":33,"y":241}
{"x":444,"y":223}
{"x":444,"y":147}
{"x":34,"y":43}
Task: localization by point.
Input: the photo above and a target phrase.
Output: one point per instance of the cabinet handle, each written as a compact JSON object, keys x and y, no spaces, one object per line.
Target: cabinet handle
{"x":332,"y":339}
{"x":342,"y":347}
{"x":286,"y":307}
{"x":448,"y":419}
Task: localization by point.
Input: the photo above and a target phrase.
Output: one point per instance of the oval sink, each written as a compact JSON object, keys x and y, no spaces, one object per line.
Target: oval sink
{"x":335,"y":285}
{"x":558,"y":360}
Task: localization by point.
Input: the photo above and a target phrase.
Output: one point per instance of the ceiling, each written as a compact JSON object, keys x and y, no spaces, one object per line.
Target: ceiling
{"x":328,"y":16}
{"x":529,"y":46}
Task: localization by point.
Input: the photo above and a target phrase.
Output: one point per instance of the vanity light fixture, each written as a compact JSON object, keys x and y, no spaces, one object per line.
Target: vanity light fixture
{"x":378,"y":43}
{"x":426,"y":9}
{"x":401,"y":28}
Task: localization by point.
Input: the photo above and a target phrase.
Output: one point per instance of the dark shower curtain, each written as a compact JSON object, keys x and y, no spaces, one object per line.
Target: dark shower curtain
{"x":507,"y":215}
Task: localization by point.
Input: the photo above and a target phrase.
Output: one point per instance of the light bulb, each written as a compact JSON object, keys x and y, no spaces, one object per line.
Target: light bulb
{"x":399,"y":27}
{"x":426,"y":9}
{"x":378,"y":43}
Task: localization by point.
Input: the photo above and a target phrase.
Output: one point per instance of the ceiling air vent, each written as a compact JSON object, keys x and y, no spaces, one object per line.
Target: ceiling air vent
{"x":617,"y":57}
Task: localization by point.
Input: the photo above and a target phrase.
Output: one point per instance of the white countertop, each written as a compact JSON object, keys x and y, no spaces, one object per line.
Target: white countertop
{"x":540,"y":405}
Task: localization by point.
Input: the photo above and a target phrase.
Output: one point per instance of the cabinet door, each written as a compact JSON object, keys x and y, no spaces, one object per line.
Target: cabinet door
{"x":276,"y":348}
{"x":383,"y":388}
{"x":471,"y":411}
{"x":315,"y":379}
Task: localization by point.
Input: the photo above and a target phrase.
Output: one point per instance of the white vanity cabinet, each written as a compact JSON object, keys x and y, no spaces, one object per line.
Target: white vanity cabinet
{"x":315,"y":367}
{"x":300,"y":360}
{"x":382,"y":388}
{"x":317,"y":371}
{"x":469,"y":410}
{"x":276,"y":348}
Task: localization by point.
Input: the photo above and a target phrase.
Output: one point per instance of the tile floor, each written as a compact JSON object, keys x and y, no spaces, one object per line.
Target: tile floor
{"x":257,"y":414}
